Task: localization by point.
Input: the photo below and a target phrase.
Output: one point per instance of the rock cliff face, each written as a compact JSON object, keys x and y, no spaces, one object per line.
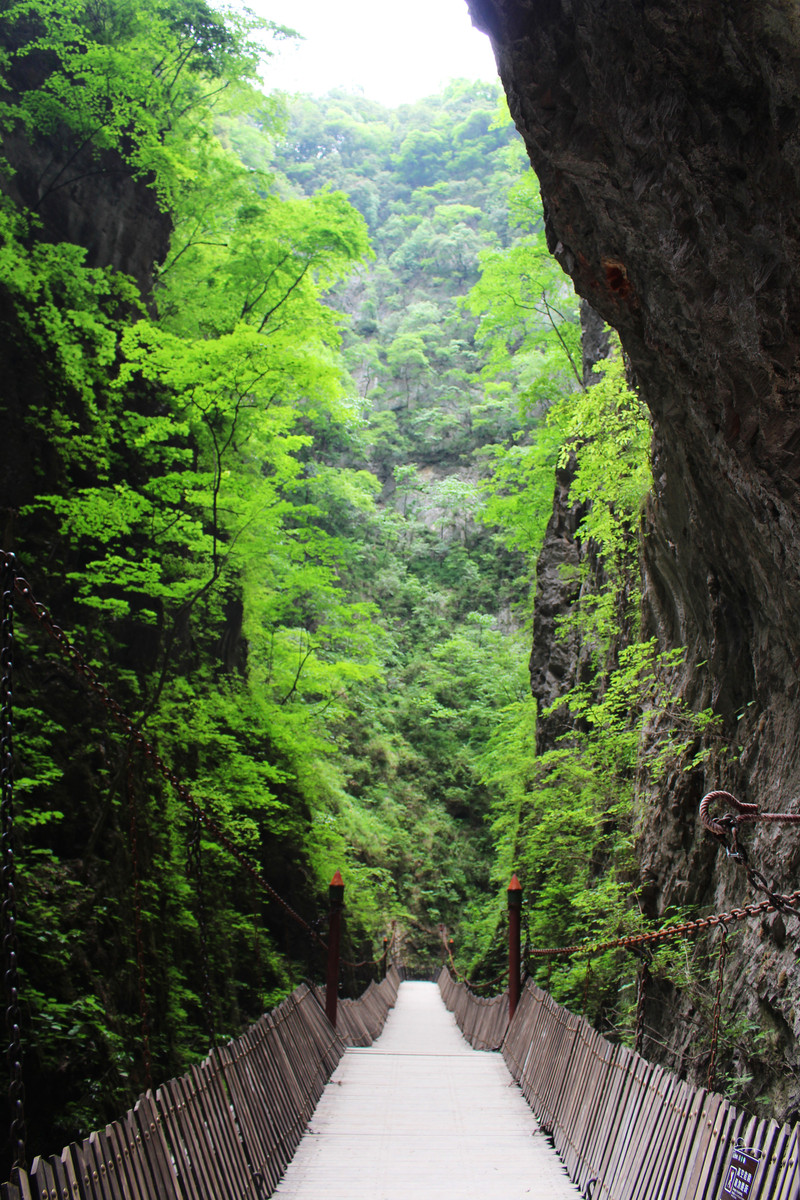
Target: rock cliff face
{"x":667,"y":142}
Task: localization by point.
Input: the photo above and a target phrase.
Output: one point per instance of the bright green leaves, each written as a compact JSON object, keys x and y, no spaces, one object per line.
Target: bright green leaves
{"x":530,"y":333}
{"x":528,"y":312}
{"x":126,"y":76}
{"x":607,"y":430}
{"x":68,"y":311}
{"x":260,"y":261}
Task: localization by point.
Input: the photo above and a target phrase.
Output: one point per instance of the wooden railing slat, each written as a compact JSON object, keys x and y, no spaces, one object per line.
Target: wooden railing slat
{"x":634,"y":1127}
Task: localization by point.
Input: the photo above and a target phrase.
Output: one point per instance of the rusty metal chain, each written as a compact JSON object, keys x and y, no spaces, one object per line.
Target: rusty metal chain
{"x":723,"y":950}
{"x":721,"y":828}
{"x":258,"y":965}
{"x":144,"y":1013}
{"x":16,"y":1088}
{"x":194,"y":872}
{"x":365,"y":962}
{"x":468,"y":983}
{"x":665,"y":934}
{"x":728,"y":826}
{"x":779,"y":901}
{"x":526,"y":947}
{"x":478,"y":987}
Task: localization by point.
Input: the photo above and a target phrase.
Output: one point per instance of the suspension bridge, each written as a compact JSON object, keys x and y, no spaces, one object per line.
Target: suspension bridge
{"x":415,"y":1089}
{"x":395,"y":1103}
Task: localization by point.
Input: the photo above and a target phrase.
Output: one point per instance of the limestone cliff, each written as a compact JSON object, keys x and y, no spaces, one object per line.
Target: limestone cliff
{"x":667,"y":142}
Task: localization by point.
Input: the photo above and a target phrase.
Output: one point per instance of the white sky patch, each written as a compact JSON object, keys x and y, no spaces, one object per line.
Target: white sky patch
{"x":394,"y":51}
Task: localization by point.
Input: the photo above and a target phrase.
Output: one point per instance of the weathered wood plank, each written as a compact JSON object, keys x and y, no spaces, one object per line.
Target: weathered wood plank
{"x":421,"y":1114}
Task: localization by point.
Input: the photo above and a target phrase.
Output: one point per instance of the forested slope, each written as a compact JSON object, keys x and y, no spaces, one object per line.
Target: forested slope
{"x":159,"y":496}
{"x":243,"y":459}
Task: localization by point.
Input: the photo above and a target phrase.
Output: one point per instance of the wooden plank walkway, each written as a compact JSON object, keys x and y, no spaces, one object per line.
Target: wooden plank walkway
{"x":419,"y":1115}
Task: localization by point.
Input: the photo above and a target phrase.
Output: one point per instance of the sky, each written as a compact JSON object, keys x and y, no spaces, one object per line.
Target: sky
{"x":395,"y":51}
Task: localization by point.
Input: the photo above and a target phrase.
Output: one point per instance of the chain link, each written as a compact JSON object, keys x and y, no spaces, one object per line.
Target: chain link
{"x":637,"y":940}
{"x":526,"y":947}
{"x":586,"y":982}
{"x":16,"y":1090}
{"x":641,"y":1002}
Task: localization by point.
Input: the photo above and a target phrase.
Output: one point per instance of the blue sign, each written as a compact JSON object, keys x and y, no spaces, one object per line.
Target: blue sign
{"x":741,"y":1173}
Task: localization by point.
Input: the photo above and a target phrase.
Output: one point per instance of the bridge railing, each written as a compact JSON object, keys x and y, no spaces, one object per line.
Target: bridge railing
{"x":228,"y":1127}
{"x":360,"y":1021}
{"x":482,"y":1020}
{"x":625,"y":1128}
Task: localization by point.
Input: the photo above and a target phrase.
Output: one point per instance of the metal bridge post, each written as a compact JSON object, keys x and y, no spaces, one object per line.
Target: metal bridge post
{"x":514,"y":931}
{"x":336,"y":899}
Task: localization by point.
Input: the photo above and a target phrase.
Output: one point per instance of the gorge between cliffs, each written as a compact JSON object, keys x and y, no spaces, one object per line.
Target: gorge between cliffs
{"x":433,"y":517}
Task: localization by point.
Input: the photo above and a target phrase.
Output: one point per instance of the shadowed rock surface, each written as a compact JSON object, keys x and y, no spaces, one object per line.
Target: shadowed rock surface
{"x":667,"y":142}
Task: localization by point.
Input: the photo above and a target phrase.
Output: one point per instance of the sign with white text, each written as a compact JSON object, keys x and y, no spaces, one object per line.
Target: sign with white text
{"x":741,"y":1173}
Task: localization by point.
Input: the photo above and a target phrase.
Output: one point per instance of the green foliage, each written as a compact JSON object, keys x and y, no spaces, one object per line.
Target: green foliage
{"x":608,"y":433}
{"x":132,"y":78}
{"x":528,"y":312}
{"x":530,"y":333}
{"x":286,"y":501}
{"x":195,"y":536}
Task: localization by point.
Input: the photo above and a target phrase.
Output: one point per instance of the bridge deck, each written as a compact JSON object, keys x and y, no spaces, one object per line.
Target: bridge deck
{"x":421,"y":1115}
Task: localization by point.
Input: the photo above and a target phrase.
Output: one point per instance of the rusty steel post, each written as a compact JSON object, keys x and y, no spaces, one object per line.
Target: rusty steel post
{"x":514,"y":931}
{"x":336,"y":900}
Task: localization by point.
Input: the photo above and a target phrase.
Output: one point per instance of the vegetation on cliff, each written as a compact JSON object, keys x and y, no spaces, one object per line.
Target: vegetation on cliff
{"x":284,"y":476}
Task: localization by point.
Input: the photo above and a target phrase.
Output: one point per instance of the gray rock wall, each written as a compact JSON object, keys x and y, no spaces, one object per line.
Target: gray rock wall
{"x":666,"y":137}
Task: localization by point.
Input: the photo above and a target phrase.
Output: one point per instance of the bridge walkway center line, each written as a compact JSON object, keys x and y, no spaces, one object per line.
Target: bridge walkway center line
{"x":420,"y":1115}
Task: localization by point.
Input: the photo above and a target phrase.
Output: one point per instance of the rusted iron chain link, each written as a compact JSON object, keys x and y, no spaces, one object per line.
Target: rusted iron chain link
{"x":144,"y":1012}
{"x":586,"y":982}
{"x":16,"y":1087}
{"x":728,"y":826}
{"x":477,"y":987}
{"x":723,"y":950}
{"x":473,"y":987}
{"x":448,"y":955}
{"x":665,"y":934}
{"x":370,"y":962}
{"x":76,"y":660}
